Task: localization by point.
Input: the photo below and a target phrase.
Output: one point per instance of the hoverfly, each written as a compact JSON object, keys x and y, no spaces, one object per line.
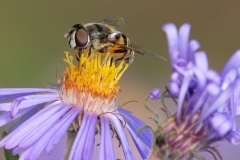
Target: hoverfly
{"x":104,"y":37}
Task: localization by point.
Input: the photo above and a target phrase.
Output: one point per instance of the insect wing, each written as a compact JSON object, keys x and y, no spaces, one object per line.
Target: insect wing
{"x":117,"y":23}
{"x":143,"y":51}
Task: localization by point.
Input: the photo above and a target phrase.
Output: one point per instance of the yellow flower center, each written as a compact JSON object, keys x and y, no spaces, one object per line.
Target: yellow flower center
{"x":95,"y":77}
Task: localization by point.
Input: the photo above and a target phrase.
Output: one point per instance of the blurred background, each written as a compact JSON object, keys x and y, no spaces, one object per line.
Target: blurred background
{"x":32,"y":44}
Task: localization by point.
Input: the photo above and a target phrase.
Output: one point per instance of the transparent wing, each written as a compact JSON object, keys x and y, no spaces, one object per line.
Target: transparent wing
{"x":143,"y":51}
{"x":117,"y":23}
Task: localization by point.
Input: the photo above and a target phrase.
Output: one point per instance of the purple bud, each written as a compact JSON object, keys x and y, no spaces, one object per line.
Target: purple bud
{"x":155,"y":94}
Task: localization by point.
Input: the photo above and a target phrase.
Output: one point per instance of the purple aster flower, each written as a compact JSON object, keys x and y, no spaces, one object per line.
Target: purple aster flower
{"x":84,"y":104}
{"x":207,"y":101}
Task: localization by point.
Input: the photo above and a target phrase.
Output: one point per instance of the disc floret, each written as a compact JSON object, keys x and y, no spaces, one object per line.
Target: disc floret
{"x":93,"y":82}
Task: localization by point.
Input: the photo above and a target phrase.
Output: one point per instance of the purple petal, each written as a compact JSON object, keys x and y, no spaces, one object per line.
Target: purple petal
{"x":9,"y":97}
{"x":12,"y":91}
{"x":219,"y":101}
{"x":106,"y":145}
{"x":121,"y":133}
{"x":238,"y":111}
{"x":194,"y":104}
{"x":140,"y":146}
{"x":155,"y":94}
{"x":24,"y":155}
{"x":172,"y":36}
{"x":213,"y":76}
{"x":221,"y":123}
{"x":184,"y":32}
{"x":233,"y":62}
{"x":201,"y":78}
{"x":135,"y":124}
{"x":234,"y":137}
{"x":15,"y":151}
{"x":63,"y":124}
{"x":15,"y":104}
{"x":201,"y":61}
{"x":15,"y":136}
{"x":38,"y":131}
{"x":28,"y":101}
{"x":213,"y":89}
{"x":5,"y":106}
{"x":194,"y":45}
{"x":84,"y":136}
{"x":24,"y":118}
{"x":38,"y":147}
{"x":229,"y":78}
{"x":34,"y":151}
{"x":137,"y":140}
{"x":182,"y":94}
{"x":6,"y":118}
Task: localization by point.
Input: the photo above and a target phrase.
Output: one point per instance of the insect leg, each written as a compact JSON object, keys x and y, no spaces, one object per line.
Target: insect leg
{"x":80,"y":51}
{"x":89,"y":53}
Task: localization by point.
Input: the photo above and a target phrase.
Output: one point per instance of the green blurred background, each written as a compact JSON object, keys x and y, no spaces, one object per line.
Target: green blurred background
{"x":32,"y":44}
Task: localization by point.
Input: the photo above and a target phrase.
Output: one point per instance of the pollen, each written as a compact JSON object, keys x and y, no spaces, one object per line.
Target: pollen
{"x":95,"y":77}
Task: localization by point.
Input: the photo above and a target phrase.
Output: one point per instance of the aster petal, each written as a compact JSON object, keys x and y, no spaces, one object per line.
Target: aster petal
{"x":221,"y":99}
{"x":137,"y":141}
{"x":172,"y":36}
{"x":5,"y":117}
{"x":201,"y":62}
{"x":9,"y":97}
{"x":213,"y":76}
{"x":194,"y":104}
{"x":184,"y":32}
{"x":15,"y":136}
{"x":234,"y":137}
{"x":233,"y":62}
{"x":140,"y":146}
{"x":64,"y":123}
{"x":229,"y":78}
{"x":24,"y":155}
{"x":39,"y":145}
{"x":85,"y":136}
{"x":24,"y":118}
{"x":10,"y":93}
{"x":135,"y":124}
{"x":38,"y":131}
{"x":201,"y":78}
{"x":121,"y":133}
{"x":182,"y":94}
{"x":27,"y":101}
{"x":233,"y":104}
{"x":15,"y":151}
{"x":200,"y":98}
{"x":5,"y":106}
{"x":36,"y":149}
{"x":238,"y":111}
{"x":221,"y":123}
{"x":106,"y":146}
{"x":194,"y":45}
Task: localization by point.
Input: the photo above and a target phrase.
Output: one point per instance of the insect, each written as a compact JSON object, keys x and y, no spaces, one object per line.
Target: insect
{"x":105,"y":37}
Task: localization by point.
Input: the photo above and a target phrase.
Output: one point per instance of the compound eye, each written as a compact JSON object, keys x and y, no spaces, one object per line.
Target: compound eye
{"x":81,"y":37}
